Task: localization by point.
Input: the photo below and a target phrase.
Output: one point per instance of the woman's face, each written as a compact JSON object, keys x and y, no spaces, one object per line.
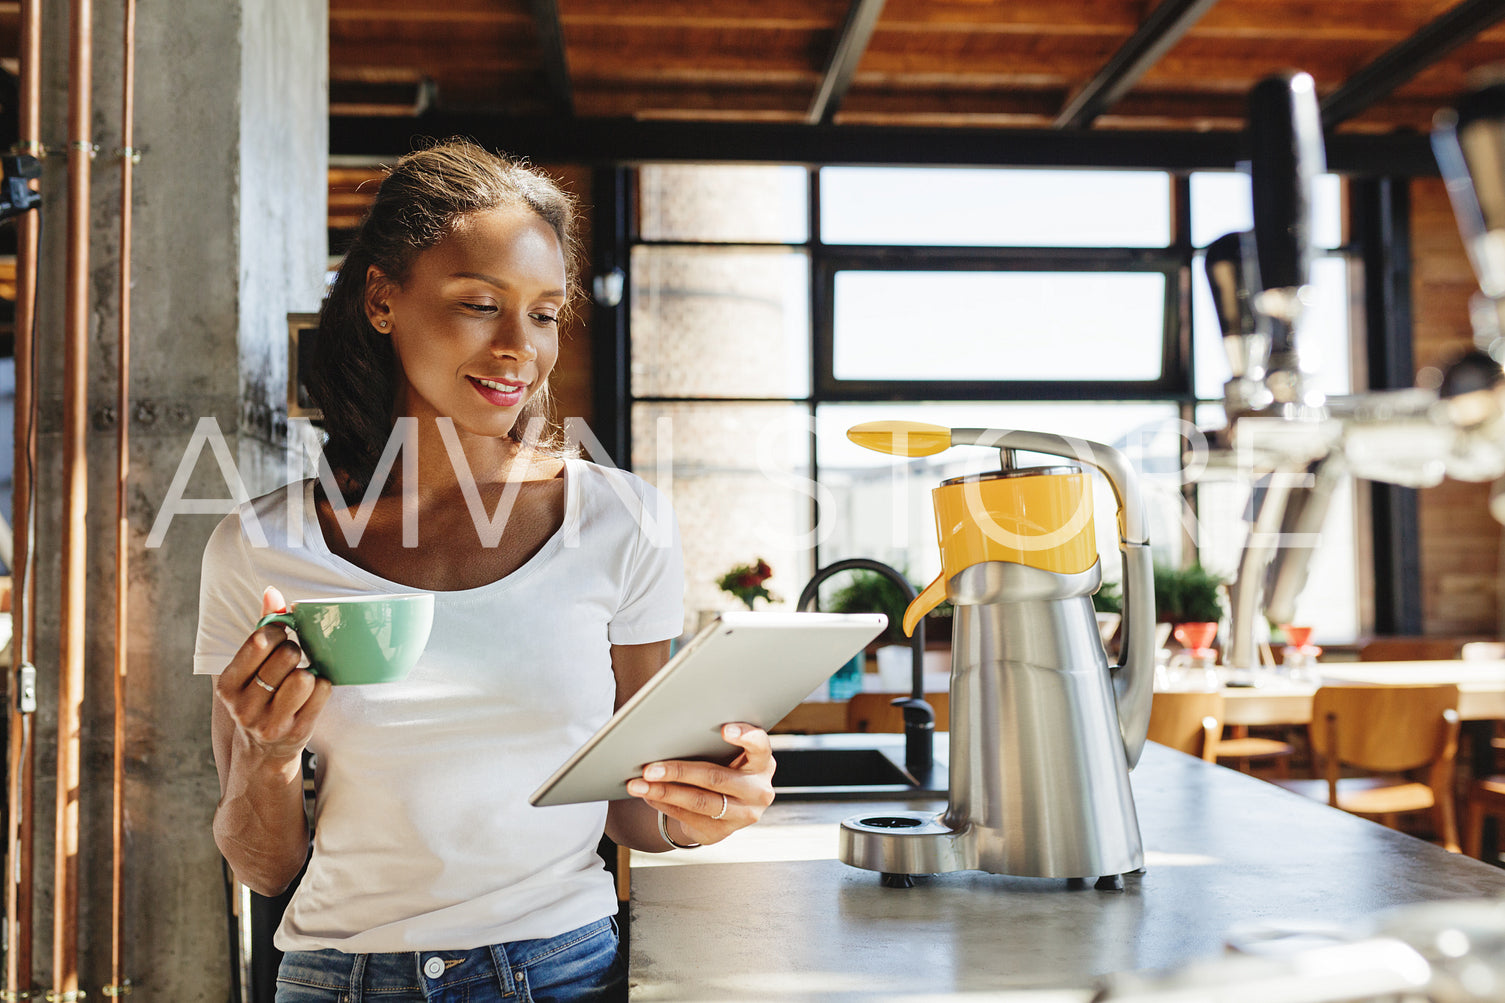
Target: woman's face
{"x":475,"y":325}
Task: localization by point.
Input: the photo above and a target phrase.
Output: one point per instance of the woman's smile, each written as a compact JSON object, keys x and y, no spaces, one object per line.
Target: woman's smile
{"x":502,"y":393}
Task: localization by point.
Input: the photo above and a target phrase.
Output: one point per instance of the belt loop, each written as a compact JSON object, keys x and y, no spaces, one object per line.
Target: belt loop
{"x":503,"y":969}
{"x":358,"y":978}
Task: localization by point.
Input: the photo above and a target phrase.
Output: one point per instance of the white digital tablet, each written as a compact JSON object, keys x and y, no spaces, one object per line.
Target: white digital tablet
{"x":752,"y":667}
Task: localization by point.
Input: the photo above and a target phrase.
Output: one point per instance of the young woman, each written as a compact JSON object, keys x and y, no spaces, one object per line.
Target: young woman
{"x":431,"y":877}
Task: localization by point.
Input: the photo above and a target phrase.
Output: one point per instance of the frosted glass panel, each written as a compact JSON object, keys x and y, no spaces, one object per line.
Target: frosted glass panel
{"x":731,"y":203}
{"x":712,"y":322}
{"x":739,"y":478}
{"x":999,"y":325}
{"x":998,"y":207}
{"x":1221,"y":203}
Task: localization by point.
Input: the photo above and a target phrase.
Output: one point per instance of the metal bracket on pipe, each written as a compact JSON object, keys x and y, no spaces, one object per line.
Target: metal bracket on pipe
{"x":26,"y":688}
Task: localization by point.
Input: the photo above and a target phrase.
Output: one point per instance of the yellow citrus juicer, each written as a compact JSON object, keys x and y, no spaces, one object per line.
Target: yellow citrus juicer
{"x":1043,"y":732}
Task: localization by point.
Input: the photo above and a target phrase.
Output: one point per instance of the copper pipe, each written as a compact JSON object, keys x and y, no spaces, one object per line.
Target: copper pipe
{"x":20,"y":837}
{"x":75,"y":503}
{"x":122,"y":516}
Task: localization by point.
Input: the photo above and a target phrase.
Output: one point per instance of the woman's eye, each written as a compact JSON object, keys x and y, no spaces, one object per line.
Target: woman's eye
{"x":481,"y":307}
{"x":545,"y":318}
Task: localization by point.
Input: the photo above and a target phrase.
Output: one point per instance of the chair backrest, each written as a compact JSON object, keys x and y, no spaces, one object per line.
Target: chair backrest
{"x":1177,"y":720}
{"x":1383,"y":728}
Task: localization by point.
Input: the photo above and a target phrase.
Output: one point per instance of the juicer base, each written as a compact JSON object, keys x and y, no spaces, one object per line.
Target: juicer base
{"x":900,"y":844}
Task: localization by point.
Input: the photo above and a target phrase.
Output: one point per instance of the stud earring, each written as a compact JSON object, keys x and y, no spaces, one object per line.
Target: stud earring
{"x":382,"y":324}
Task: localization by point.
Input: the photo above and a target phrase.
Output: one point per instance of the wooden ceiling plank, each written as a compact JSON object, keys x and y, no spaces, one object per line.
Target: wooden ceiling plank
{"x":1399,"y":64}
{"x":841,"y":64}
{"x":1161,"y":30}
{"x":556,"y":67}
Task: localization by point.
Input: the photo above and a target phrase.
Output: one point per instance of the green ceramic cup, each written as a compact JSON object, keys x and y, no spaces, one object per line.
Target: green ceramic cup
{"x":354,"y":640}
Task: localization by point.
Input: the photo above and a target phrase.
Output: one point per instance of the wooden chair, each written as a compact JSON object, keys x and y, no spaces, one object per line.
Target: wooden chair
{"x":873,"y":712}
{"x":1485,"y":797}
{"x":1191,"y":722}
{"x":1387,"y":731}
{"x":1244,"y":748}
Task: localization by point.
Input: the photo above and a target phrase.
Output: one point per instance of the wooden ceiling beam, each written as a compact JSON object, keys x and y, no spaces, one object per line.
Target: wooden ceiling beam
{"x":1166,"y":24}
{"x":841,"y":64}
{"x":617,"y":100}
{"x":556,"y":67}
{"x":1399,"y":64}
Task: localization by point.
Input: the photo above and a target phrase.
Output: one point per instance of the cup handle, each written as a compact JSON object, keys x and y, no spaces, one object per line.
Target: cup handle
{"x":286,"y":619}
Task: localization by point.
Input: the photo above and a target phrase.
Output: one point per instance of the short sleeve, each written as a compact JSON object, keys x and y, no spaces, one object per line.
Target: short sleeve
{"x":653,"y":600}
{"x":229,"y":598}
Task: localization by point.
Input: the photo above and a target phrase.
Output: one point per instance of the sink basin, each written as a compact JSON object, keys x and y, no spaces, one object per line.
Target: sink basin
{"x":838,"y":767}
{"x":850,"y":774}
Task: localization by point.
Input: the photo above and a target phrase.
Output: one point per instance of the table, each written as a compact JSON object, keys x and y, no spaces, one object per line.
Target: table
{"x":1481,"y":693}
{"x":1481,"y":689}
{"x":771,"y":914}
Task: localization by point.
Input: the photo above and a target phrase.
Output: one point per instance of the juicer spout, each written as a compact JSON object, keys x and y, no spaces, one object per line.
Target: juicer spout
{"x":933,"y":596}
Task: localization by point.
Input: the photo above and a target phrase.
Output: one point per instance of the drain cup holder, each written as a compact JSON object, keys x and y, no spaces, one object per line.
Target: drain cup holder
{"x":891,"y":822}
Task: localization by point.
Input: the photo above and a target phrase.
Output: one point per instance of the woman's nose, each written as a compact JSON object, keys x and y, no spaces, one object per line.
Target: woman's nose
{"x":513,"y":340}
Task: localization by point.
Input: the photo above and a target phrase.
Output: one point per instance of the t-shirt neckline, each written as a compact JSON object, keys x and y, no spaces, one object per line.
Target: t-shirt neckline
{"x":314,"y":533}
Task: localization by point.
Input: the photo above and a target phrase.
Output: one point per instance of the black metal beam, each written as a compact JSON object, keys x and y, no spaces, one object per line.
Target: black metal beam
{"x":556,"y":67}
{"x":1407,"y":58}
{"x":611,"y":401}
{"x":626,"y":141}
{"x":841,"y":65}
{"x":1381,"y":228}
{"x":1161,"y":30}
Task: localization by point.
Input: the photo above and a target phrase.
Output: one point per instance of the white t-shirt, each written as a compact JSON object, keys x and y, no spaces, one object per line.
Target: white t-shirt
{"x":423,"y":835}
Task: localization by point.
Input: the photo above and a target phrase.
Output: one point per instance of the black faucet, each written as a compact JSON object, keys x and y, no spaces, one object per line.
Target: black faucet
{"x":919,"y":717}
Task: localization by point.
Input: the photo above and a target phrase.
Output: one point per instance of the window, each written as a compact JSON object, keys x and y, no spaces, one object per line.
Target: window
{"x":1053,"y":300}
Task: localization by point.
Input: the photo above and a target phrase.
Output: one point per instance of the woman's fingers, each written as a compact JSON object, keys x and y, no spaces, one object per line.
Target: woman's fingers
{"x":712,"y":801}
{"x":757,"y":756}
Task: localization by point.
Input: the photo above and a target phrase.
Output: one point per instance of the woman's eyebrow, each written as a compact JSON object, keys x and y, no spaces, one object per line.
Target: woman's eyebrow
{"x":499,"y":283}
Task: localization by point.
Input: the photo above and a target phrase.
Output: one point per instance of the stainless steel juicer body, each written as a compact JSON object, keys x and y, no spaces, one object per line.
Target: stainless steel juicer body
{"x":1043,"y":732}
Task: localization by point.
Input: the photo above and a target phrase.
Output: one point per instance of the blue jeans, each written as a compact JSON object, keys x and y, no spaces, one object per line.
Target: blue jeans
{"x":581,"y":965}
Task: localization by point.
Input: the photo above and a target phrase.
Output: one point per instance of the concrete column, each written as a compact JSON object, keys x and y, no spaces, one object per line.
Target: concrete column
{"x":232,"y":116}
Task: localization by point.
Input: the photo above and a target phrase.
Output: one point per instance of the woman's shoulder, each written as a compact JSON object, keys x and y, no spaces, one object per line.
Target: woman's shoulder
{"x":264,"y":521}
{"x":602,"y":477}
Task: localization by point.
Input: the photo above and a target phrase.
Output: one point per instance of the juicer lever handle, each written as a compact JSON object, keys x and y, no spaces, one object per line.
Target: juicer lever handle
{"x":1133,"y":677}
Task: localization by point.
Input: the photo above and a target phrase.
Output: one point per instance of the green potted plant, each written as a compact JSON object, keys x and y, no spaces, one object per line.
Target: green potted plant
{"x":1189,"y":596}
{"x":869,"y":592}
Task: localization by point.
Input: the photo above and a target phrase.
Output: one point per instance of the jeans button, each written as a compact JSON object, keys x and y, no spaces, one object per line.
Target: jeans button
{"x":433,"y":967}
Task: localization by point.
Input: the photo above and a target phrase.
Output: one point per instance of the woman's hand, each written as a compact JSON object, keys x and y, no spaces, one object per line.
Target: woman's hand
{"x":272,"y":703}
{"x":710,"y":801}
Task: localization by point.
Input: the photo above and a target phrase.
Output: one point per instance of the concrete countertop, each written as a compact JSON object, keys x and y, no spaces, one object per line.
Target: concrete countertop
{"x":772,"y":915}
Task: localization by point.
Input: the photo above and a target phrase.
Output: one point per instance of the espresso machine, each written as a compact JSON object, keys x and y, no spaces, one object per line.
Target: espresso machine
{"x":1043,"y":732}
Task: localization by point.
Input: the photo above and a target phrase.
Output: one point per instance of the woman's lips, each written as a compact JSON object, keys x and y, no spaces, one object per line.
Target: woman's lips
{"x":501,"y":393}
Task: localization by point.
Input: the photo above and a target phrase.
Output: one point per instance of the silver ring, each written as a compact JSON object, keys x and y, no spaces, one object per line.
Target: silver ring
{"x":722,"y":812}
{"x":263,"y":683}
